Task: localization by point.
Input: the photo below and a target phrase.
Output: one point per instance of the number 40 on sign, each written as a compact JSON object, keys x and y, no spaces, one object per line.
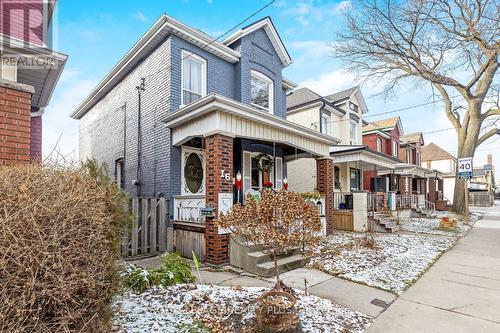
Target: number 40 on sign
{"x":465,"y":167}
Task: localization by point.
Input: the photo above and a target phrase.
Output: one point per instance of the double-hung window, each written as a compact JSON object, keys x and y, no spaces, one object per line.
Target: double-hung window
{"x":379,"y":144}
{"x":262,"y":91}
{"x":394,"y":148}
{"x":353,"y":133}
{"x":325,"y":124}
{"x":194,"y":77}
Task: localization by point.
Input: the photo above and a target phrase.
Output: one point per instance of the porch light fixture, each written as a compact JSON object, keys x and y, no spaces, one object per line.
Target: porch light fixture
{"x":238,"y":186}
{"x":285,"y":183}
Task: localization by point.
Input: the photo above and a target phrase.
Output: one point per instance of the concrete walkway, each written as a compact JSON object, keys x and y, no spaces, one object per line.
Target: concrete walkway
{"x":367,"y":300}
{"x":460,"y":293}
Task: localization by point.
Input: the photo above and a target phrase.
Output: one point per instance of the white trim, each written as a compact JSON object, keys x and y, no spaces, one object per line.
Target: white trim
{"x":214,"y":102}
{"x":382,"y":134}
{"x":267,"y":79}
{"x":201,"y":154}
{"x":272,"y":34}
{"x":185,"y":55}
{"x":165,"y":25}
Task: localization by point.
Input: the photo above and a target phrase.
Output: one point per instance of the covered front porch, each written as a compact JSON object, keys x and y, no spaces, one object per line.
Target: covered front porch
{"x":227,"y":151}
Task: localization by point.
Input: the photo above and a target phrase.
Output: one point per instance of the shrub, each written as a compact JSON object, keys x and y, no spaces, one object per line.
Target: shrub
{"x":59,"y":244}
{"x":172,"y":270}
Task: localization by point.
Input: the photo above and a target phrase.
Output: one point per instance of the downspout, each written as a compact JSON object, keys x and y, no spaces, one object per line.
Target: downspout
{"x":140,"y":88}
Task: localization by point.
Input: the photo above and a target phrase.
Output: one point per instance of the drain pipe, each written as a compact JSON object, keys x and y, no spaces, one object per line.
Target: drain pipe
{"x":137,"y":182}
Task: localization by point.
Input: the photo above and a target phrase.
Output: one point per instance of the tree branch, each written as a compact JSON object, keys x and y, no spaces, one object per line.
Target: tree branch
{"x":488,"y":135}
{"x":491,"y":112}
{"x":448,"y":107}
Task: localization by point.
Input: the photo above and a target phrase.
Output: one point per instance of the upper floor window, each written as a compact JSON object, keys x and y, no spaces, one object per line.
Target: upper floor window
{"x":353,"y":133}
{"x":194,"y":77}
{"x":394,"y":148}
{"x":419,"y":162}
{"x":379,"y":144}
{"x":325,"y":124}
{"x":120,"y":173}
{"x":262,"y":91}
{"x":353,"y":107}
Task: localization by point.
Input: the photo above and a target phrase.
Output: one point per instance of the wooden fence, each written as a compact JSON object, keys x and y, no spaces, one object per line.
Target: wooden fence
{"x":148,"y":233}
{"x":343,"y":220}
{"x":189,"y":241}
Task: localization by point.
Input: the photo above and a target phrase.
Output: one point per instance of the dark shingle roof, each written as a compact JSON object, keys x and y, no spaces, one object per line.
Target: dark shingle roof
{"x":432,"y":152}
{"x":341,"y":94}
{"x":301,"y":96}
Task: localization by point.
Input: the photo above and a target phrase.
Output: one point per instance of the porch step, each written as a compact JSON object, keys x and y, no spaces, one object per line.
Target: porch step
{"x":285,"y":264}
{"x":251,"y":258}
{"x":385,"y":224}
{"x":261,"y":257}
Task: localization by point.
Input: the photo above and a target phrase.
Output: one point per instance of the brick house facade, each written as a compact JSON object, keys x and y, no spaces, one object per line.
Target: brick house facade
{"x":231,"y":120}
{"x":25,"y":89}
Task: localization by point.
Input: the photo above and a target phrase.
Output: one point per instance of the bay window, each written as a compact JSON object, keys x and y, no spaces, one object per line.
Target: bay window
{"x":262,"y":92}
{"x":194,"y":77}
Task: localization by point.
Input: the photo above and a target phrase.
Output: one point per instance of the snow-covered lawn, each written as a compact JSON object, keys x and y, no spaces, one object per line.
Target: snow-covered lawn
{"x":394,"y":264}
{"x":424,"y":225}
{"x":185,"y":308}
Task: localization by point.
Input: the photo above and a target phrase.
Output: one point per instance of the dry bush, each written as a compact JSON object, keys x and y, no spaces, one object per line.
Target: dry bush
{"x":59,"y":244}
{"x":448,"y":223}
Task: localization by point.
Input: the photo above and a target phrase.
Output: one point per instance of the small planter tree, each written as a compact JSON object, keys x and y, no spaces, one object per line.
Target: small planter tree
{"x":276,"y":224}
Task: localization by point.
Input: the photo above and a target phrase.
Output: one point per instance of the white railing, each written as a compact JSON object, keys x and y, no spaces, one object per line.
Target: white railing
{"x":406,"y":201}
{"x":188,"y":208}
{"x":431,"y":206}
{"x":341,"y":200}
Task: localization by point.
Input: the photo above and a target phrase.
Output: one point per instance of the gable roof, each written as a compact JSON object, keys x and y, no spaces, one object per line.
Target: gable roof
{"x":301,"y":96}
{"x":432,"y":152}
{"x":335,"y":97}
{"x":413,"y":137}
{"x":267,"y":24}
{"x":383,"y":125}
{"x":144,"y":46}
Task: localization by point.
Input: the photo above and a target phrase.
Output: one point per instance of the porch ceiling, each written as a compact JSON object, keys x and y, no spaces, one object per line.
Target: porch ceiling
{"x":216,"y":114}
{"x":408,"y":170}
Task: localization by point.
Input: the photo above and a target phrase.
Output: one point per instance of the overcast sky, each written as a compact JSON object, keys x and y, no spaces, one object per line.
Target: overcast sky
{"x":96,"y":34}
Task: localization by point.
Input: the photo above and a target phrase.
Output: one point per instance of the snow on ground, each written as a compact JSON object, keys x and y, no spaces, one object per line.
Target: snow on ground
{"x":396,"y":262}
{"x":423,"y":225}
{"x":183,"y":308}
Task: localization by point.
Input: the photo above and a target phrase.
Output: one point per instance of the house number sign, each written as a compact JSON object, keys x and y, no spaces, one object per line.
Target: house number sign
{"x":225,"y":175}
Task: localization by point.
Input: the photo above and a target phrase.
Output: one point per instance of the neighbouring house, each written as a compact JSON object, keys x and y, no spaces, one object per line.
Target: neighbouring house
{"x":340,"y":114}
{"x":185,"y":117}
{"x":482,"y":184}
{"x":436,"y":158}
{"x":29,"y":71}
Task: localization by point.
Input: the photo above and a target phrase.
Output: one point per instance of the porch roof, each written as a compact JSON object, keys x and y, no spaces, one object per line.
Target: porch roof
{"x":217,"y":114}
{"x":411,"y":170}
{"x":363,"y":154}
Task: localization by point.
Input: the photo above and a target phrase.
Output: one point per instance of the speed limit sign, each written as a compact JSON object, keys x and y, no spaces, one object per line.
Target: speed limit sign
{"x":465,"y":167}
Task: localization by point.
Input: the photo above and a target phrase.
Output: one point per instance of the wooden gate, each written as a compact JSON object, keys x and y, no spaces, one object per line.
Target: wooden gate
{"x":343,"y":220}
{"x":148,"y":233}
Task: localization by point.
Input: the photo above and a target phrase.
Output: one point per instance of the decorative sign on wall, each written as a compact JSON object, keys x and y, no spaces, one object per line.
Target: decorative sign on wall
{"x":224,"y":206}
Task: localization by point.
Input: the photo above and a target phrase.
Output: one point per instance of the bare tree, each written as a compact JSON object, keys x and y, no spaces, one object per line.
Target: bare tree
{"x":281,"y":221}
{"x":453,"y":45}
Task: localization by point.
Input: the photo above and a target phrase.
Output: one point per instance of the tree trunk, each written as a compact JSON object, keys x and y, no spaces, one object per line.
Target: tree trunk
{"x":467,"y":142}
{"x":276,"y":269}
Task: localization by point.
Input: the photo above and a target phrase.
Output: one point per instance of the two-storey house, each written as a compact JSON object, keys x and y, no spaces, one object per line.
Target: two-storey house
{"x":341,"y":114}
{"x":200,"y":122}
{"x":29,"y":71}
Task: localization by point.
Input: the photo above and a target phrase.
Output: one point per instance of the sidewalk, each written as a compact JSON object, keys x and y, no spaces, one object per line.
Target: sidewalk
{"x":460,"y":293}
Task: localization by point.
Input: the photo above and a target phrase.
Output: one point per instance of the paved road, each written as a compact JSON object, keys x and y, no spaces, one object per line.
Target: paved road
{"x":460,"y":293}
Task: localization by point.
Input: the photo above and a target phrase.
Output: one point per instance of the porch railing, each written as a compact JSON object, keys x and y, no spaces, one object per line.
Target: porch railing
{"x":404,"y":201}
{"x":342,"y":201}
{"x":431,"y":206}
{"x":188,"y":208}
{"x":377,"y":202}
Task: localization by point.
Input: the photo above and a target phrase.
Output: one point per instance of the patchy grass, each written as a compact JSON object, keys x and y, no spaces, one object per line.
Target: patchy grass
{"x":394,"y":264}
{"x":203,"y":308}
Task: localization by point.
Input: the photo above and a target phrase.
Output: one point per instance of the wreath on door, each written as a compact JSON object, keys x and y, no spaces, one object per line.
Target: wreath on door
{"x":264,"y":157}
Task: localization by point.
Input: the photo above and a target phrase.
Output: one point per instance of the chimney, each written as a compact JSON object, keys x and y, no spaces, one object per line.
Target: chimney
{"x":489,"y":159}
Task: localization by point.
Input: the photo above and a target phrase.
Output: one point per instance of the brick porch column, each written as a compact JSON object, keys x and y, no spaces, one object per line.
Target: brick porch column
{"x":15,"y":122}
{"x":325,"y":184}
{"x":218,"y":157}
